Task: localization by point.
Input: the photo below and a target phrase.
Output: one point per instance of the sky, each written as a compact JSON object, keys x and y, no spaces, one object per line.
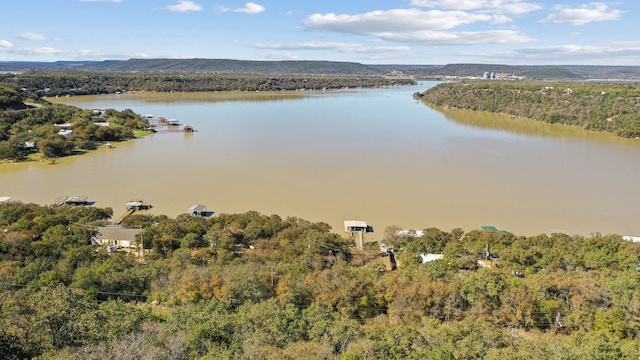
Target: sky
{"x":437,"y":32}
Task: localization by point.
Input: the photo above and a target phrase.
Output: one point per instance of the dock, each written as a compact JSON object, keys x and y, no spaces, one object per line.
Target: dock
{"x":164,"y":125}
{"x":199,"y":210}
{"x":124,"y":216}
{"x":73,"y":200}
{"x":132,"y":207}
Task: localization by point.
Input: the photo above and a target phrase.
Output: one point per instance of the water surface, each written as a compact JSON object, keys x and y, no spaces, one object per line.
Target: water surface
{"x":376,"y":155}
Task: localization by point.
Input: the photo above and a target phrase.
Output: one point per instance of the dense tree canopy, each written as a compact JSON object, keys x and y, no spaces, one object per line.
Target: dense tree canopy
{"x":259,"y":286}
{"x":610,"y":107}
{"x":88,"y":83}
{"x":37,"y":128}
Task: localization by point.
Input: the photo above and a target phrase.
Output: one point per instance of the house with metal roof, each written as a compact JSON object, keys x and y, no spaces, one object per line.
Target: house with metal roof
{"x":116,"y":235}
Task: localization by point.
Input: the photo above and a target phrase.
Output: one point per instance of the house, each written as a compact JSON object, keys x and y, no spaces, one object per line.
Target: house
{"x":116,"y":235}
{"x":631,"y":238}
{"x":65,"y":132}
{"x":431,"y":257}
{"x":488,"y":228}
{"x":492,"y":229}
{"x":64,"y":126}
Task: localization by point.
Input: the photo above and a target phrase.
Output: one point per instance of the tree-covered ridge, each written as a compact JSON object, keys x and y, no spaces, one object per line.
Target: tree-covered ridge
{"x":220,"y":66}
{"x":258,"y":286}
{"x":88,"y":83}
{"x":37,"y":128}
{"x":332,"y":68}
{"x":613,"y":108}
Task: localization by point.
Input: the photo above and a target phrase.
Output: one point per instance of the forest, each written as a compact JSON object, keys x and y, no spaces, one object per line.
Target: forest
{"x":330,"y":68}
{"x":91,"y":83}
{"x":609,"y":107}
{"x":33,"y":132}
{"x":256,"y":286}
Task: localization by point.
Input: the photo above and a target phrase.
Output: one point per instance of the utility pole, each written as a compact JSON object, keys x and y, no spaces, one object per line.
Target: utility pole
{"x":272,"y":274}
{"x":141,"y":244}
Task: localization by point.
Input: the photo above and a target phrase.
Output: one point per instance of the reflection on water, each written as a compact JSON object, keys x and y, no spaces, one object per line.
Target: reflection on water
{"x":373,"y":155}
{"x":524,"y":126}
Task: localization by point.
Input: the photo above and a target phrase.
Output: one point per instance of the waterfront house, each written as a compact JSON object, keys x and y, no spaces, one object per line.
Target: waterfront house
{"x":116,"y":235}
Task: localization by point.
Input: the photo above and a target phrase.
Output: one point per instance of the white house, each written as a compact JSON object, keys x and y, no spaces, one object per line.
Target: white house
{"x":431,"y":257}
{"x":632,"y":238}
{"x":116,"y":235}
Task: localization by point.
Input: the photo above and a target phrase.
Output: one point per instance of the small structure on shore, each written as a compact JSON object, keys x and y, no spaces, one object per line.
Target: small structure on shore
{"x":357,"y":226}
{"x":197,"y":210}
{"x":72,"y":200}
{"x":132,"y":206}
{"x":137,"y":205}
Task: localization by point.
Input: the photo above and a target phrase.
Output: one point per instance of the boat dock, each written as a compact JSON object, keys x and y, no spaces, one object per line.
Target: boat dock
{"x":132,"y":207}
{"x":164,"y":125}
{"x":124,"y":216}
{"x":73,"y":200}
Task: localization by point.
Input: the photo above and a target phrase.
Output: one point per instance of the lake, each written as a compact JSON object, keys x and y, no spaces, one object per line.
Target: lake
{"x":367,"y":154}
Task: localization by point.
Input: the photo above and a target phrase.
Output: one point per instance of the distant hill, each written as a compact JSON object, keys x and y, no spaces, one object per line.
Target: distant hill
{"x":250,"y":67}
{"x":221,"y":66}
{"x":531,"y":72}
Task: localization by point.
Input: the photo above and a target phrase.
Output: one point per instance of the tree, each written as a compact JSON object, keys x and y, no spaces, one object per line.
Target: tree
{"x":11,"y":150}
{"x":55,"y":146}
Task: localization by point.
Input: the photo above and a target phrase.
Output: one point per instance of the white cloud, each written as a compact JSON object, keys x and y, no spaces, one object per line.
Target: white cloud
{"x":32,"y":36}
{"x":595,"y":11}
{"x":498,"y":6}
{"x":577,"y":51}
{"x":416,"y":26}
{"x":8,"y":48}
{"x":333,"y":46}
{"x":36,"y":51}
{"x":184,"y":6}
{"x":458,"y":38}
{"x":279,"y":56}
{"x":607,"y":54}
{"x":397,"y":20}
{"x":95,"y":55}
{"x":250,"y":8}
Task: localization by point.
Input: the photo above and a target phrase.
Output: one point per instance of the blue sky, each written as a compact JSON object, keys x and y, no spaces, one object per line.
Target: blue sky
{"x":365,"y":31}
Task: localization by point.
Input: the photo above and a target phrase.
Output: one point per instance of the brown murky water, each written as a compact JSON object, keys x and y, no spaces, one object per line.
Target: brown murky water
{"x":373,"y":155}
